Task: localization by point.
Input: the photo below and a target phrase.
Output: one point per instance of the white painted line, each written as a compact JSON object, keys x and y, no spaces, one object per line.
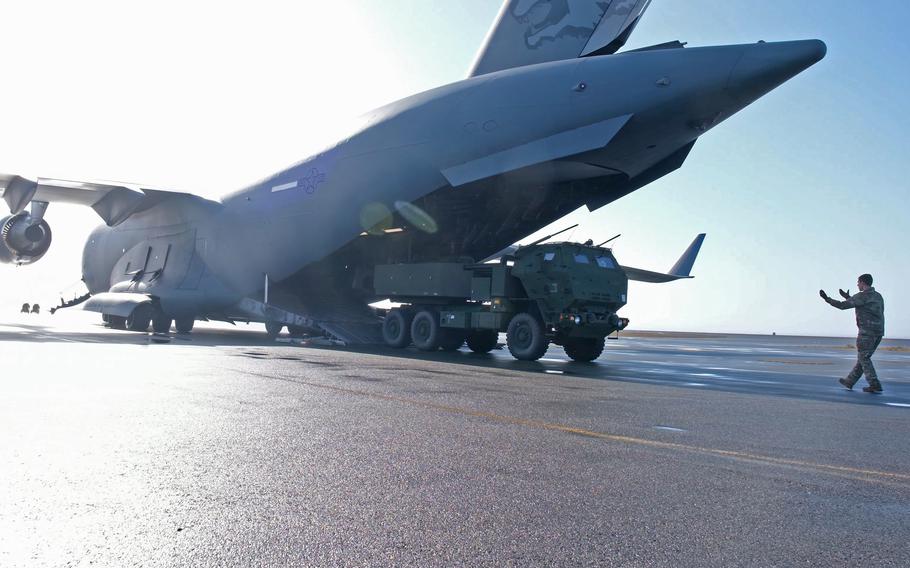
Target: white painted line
{"x":552,"y":372}
{"x":669,"y":429}
{"x":284,"y":186}
{"x":898,"y":404}
{"x":695,"y":384}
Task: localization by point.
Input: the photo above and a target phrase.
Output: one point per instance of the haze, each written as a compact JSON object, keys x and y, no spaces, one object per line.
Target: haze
{"x":805,"y":189}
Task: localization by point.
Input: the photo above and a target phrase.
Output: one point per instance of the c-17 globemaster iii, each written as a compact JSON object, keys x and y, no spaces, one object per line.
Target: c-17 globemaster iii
{"x":550,"y":119}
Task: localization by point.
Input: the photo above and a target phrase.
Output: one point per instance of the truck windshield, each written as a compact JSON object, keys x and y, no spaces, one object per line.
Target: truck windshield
{"x":605,"y":262}
{"x":582,"y":259}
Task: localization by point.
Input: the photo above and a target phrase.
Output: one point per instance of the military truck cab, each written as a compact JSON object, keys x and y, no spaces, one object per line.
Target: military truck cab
{"x":562,"y":293}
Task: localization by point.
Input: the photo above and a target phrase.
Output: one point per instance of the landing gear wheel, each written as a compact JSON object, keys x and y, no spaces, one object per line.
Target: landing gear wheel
{"x":584,"y":349}
{"x":116,"y":322}
{"x":425,"y":331}
{"x":273,"y":328}
{"x":483,"y":341}
{"x":451,"y":339}
{"x":141,"y":318}
{"x":184,"y":325}
{"x":396,"y":329}
{"x":296,"y":331}
{"x":525,"y":338}
{"x":161,"y":323}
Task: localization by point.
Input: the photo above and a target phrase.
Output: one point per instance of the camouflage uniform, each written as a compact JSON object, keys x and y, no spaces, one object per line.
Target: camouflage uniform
{"x":870,"y":319}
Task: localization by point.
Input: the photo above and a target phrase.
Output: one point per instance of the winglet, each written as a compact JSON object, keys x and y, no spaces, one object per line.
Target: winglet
{"x":683,"y":266}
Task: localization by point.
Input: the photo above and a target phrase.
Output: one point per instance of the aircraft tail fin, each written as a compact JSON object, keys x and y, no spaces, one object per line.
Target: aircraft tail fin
{"x":683,"y":266}
{"x":681,"y":270}
{"x":527,"y":32}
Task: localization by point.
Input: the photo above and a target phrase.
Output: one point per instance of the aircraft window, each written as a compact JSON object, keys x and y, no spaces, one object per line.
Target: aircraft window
{"x":549,"y":256}
{"x":605,"y":262}
{"x":582,"y":259}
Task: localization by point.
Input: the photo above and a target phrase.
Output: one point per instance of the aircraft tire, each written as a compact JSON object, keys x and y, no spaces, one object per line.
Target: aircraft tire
{"x":451,"y":339}
{"x":140,"y":318}
{"x":273,"y":328}
{"x":396,"y":328}
{"x":161,"y":323}
{"x":184,"y":325}
{"x":525,"y":338}
{"x":483,"y":340}
{"x":297,"y":331}
{"x":425,"y":331}
{"x":584,"y":349}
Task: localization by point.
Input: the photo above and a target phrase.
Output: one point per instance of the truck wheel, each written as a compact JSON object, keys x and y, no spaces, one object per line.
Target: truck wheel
{"x":584,"y":349}
{"x":452,"y":339}
{"x":425,"y":331}
{"x":273,"y":328}
{"x":396,"y":329}
{"x":140,"y":318}
{"x":525,"y":338}
{"x":184,"y":325}
{"x":116,"y":322}
{"x":483,"y":341}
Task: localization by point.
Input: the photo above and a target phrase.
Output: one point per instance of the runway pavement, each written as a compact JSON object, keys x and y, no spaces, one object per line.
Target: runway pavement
{"x":227,"y":449}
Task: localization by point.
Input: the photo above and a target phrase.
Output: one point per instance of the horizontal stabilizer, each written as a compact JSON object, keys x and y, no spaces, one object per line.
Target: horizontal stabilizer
{"x":561,"y":145}
{"x":682,"y":269}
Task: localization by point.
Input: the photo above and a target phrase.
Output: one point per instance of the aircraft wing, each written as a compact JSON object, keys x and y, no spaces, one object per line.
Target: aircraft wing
{"x":527,"y":32}
{"x":112,"y":201}
{"x":680,"y":270}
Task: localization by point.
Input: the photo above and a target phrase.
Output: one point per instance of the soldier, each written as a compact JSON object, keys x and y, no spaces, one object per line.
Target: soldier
{"x":870,"y":319}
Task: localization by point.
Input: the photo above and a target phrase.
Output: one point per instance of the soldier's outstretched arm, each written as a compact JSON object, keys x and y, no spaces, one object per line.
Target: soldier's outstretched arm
{"x":845,"y":305}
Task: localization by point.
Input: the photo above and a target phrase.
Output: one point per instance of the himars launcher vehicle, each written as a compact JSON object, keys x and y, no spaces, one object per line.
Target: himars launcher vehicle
{"x":550,"y":119}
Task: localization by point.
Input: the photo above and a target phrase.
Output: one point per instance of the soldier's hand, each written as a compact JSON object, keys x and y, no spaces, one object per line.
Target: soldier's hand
{"x":844,"y":295}
{"x":823,"y":295}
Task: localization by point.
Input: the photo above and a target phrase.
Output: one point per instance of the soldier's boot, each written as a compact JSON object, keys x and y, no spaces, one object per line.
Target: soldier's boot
{"x":877,"y":389}
{"x":847,"y":384}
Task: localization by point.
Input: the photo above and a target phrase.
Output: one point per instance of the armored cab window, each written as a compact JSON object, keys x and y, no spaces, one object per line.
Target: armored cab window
{"x":549,"y":256}
{"x":582,"y":259}
{"x":605,"y":262}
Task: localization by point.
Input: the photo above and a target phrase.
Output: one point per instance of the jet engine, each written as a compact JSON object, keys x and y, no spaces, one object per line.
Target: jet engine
{"x":23,"y":239}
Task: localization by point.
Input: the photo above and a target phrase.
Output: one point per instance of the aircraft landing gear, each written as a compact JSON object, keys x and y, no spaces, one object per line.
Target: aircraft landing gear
{"x":141,"y":318}
{"x":185,"y":324}
{"x":273,"y":328}
{"x":161,"y":323}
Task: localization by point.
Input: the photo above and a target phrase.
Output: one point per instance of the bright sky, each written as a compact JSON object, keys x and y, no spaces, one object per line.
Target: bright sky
{"x":805,"y":189}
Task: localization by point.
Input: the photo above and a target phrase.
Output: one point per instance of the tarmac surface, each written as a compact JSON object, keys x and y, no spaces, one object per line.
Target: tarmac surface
{"x":226,"y":449}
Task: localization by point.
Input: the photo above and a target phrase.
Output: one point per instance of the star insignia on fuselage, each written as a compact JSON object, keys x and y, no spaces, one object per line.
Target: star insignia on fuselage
{"x":312,"y":181}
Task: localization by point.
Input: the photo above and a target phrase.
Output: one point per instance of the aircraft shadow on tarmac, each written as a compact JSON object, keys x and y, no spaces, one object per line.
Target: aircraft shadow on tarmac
{"x":785,"y":383}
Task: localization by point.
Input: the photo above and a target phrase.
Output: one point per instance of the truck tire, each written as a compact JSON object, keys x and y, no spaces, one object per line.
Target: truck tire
{"x":483,"y":340}
{"x":425,"y":331}
{"x":451,"y":339}
{"x":396,"y":329}
{"x":584,"y":349}
{"x":525,"y":338}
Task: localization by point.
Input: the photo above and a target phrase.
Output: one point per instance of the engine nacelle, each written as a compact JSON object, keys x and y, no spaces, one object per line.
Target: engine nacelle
{"x":23,"y":240}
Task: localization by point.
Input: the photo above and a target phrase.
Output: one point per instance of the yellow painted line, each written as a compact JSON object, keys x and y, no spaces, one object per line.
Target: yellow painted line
{"x":556,"y":427}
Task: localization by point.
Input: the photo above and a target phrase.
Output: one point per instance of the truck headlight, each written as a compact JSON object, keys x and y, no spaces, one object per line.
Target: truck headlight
{"x":577,"y":320}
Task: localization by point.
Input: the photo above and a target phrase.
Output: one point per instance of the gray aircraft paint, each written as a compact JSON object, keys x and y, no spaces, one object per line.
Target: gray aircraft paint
{"x":611,"y":122}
